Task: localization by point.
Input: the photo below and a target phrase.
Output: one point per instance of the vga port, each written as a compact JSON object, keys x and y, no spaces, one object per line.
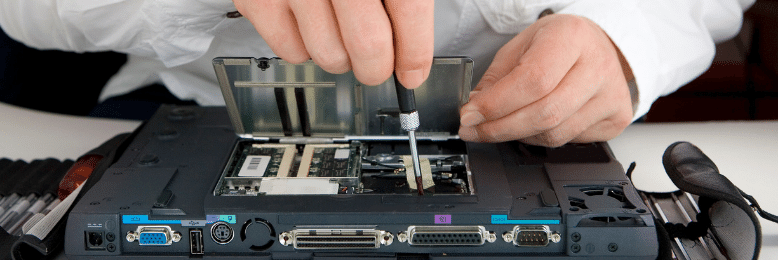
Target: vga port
{"x":153,"y":236}
{"x":336,"y":238}
{"x":448,"y":235}
{"x":533,"y":235}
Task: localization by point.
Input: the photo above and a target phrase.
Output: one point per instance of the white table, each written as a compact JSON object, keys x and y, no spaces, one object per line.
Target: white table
{"x":29,"y":134}
{"x":745,"y":152}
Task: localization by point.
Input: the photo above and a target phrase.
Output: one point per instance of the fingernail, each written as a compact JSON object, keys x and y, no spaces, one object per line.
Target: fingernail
{"x":468,"y":134}
{"x":412,"y":78}
{"x":471,"y":118}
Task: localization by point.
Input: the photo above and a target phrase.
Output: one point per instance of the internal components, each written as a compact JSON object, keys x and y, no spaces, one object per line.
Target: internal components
{"x":412,"y":164}
{"x":329,"y":160}
{"x":267,"y":169}
{"x":258,"y":168}
{"x":266,"y":160}
{"x":386,"y":173}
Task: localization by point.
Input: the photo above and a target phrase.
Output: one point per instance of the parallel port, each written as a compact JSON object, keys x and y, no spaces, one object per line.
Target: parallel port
{"x":448,"y":235}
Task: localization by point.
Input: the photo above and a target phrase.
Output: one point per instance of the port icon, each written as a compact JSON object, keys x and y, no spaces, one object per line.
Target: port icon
{"x":196,"y":241}
{"x":94,"y":240}
{"x":221,"y":232}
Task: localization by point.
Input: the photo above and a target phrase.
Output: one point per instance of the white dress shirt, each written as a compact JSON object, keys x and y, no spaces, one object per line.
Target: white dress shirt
{"x":666,"y":42}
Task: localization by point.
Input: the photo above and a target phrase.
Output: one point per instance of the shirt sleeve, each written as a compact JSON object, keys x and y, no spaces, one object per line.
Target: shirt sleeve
{"x":666,"y":42}
{"x":173,"y":31}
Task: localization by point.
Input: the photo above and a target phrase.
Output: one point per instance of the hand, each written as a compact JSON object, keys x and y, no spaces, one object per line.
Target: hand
{"x":558,"y":81}
{"x":341,"y":35}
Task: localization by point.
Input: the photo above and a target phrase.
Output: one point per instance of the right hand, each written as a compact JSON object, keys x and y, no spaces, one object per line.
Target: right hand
{"x":367,"y":36}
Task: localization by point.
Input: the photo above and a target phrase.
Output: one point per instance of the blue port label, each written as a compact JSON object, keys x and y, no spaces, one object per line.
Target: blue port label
{"x":503,"y":219}
{"x":144,"y":219}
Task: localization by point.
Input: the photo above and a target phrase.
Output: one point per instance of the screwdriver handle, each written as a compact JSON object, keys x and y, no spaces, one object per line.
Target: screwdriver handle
{"x":405,"y":97}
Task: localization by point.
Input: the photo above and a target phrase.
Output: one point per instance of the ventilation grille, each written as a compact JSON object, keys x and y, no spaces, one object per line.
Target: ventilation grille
{"x":598,"y":197}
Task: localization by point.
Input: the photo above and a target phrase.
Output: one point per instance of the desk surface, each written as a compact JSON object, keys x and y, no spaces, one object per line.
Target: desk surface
{"x":743,"y":151}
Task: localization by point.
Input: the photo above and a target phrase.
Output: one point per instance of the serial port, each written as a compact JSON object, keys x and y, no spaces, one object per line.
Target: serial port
{"x":531,"y":236}
{"x":345,"y":238}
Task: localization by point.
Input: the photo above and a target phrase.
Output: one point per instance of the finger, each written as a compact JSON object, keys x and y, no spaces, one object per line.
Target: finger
{"x":601,"y":119}
{"x":367,"y":36}
{"x":414,"y":33}
{"x":606,"y":129}
{"x":590,"y":114}
{"x":540,"y":69}
{"x":505,"y":60}
{"x":319,"y":30}
{"x":275,"y":23}
{"x":575,"y":89}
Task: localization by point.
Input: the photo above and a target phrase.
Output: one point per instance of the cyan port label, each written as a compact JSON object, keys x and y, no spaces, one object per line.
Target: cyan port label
{"x":503,"y":219}
{"x":214,"y":218}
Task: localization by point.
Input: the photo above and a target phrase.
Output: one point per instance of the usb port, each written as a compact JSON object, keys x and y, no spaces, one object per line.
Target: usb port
{"x":196,"y":241}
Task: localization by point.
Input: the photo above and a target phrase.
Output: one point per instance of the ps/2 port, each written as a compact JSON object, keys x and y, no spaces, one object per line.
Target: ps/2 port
{"x":222,"y":233}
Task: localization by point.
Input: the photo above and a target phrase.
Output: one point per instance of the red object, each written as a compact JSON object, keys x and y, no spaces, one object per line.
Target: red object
{"x":78,"y":173}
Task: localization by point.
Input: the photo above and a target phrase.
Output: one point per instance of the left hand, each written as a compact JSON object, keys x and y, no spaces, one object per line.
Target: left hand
{"x":558,"y":81}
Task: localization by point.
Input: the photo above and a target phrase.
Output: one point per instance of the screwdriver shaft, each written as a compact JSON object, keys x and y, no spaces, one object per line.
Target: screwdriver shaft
{"x":416,"y":165}
{"x":409,"y":121}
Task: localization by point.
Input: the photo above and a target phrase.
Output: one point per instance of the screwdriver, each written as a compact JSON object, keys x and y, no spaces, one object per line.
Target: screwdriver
{"x":409,"y":121}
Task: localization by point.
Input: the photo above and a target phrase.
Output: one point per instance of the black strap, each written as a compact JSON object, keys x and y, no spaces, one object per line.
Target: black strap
{"x":695,"y":229}
{"x":630,"y":170}
{"x":755,"y":205}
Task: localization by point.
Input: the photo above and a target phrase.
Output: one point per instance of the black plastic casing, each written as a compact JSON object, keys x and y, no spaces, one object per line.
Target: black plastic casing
{"x":183,"y":151}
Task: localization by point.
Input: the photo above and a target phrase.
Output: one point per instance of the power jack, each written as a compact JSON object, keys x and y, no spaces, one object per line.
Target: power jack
{"x":94,"y":240}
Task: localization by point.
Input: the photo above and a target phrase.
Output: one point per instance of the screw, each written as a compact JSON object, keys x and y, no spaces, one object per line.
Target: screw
{"x":576,"y":237}
{"x":555,"y":237}
{"x":575,"y":248}
{"x":131,"y":236}
{"x":491,"y":237}
{"x":111,"y":247}
{"x":110,"y":236}
{"x":507,"y":237}
{"x":402,"y":237}
{"x":613,"y":247}
{"x":285,"y":239}
{"x":388,"y":239}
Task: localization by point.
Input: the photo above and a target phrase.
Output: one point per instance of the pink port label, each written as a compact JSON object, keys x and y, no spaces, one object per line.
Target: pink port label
{"x":442,"y":219}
